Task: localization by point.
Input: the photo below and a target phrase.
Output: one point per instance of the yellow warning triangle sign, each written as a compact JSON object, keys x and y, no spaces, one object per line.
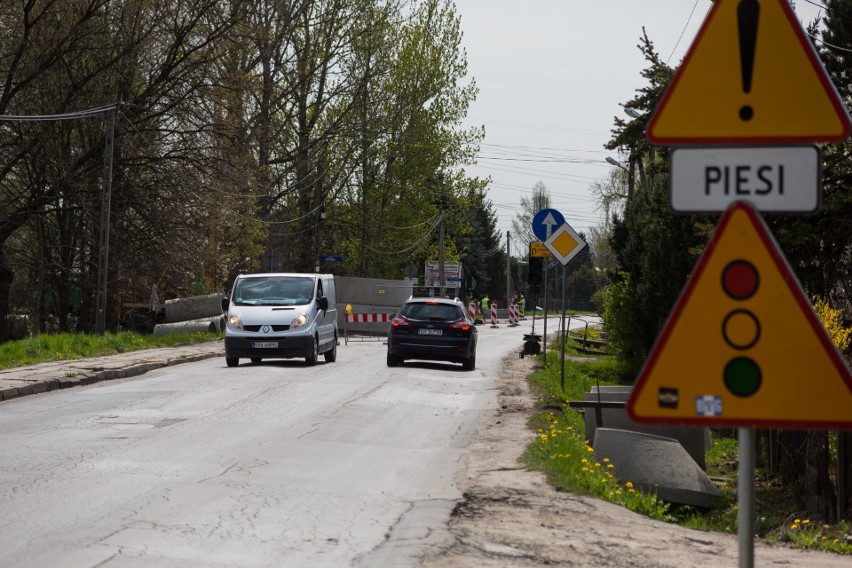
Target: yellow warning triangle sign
{"x":750,"y":76}
{"x":743,"y":346}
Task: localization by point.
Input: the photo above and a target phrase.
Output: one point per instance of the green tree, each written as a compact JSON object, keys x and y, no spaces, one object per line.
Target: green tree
{"x":658,"y":250}
{"x":522,"y":223}
{"x":819,"y":247}
{"x":655,"y":250}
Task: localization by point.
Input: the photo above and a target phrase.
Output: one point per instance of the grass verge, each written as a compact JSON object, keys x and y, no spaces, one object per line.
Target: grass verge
{"x":561,"y":452}
{"x":63,"y":346}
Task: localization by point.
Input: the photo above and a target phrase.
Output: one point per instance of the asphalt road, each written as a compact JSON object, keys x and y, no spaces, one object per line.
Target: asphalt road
{"x":342,"y":464}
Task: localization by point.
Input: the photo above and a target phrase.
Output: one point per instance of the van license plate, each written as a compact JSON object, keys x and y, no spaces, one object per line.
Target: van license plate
{"x":428,"y":331}
{"x":265,"y":344}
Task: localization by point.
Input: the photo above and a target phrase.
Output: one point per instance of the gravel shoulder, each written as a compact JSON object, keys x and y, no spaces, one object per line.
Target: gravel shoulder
{"x":511,"y":517}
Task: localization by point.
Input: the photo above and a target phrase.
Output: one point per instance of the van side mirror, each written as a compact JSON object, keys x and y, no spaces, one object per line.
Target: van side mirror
{"x":225,"y":304}
{"x":322,"y":303}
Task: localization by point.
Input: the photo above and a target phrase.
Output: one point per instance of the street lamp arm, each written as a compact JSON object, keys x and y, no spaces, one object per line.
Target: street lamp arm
{"x":616,"y":163}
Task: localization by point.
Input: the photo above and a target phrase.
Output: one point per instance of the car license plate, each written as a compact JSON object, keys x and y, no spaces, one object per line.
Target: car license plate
{"x":429,"y":331}
{"x":265,"y":344}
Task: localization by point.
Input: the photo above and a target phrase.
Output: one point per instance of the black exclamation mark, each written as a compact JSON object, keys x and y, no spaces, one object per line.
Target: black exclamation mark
{"x":748,"y":13}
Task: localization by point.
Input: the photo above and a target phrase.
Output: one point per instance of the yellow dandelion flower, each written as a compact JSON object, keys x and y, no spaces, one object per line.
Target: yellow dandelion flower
{"x":597,"y":465}
{"x":806,"y":521}
{"x":605,"y":460}
{"x":610,"y":466}
{"x":589,"y":449}
{"x":797,"y":521}
{"x":794,"y":526}
{"x":629,"y":485}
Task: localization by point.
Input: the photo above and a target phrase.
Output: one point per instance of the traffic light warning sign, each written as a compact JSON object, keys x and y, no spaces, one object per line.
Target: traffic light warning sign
{"x":750,"y":76}
{"x":743,"y":346}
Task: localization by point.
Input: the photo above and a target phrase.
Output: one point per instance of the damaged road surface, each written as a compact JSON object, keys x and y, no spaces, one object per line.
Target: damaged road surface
{"x":350,"y":463}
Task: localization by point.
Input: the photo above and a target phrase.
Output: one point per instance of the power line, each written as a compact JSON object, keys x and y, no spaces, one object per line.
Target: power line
{"x":64,"y":116}
{"x":686,"y":25}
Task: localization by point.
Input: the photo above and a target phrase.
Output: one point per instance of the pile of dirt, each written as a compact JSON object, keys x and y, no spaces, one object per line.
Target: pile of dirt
{"x":511,"y":517}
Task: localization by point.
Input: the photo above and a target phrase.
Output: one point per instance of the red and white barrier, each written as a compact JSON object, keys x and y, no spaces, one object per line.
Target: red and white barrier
{"x":368,"y":318}
{"x":471,"y":311}
{"x":494,"y":314}
{"x":514,"y":315}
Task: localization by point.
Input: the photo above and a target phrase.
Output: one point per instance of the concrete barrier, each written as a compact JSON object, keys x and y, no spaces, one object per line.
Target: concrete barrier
{"x":656,"y":464}
{"x":695,"y":440}
{"x":369,"y":296}
{"x":201,"y":325}
{"x":193,"y":308}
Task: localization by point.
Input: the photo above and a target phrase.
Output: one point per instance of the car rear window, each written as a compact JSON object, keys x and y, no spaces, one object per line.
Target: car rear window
{"x":425,"y":311}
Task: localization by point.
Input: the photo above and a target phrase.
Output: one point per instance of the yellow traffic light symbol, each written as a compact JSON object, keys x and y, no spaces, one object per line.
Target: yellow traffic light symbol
{"x":743,"y":346}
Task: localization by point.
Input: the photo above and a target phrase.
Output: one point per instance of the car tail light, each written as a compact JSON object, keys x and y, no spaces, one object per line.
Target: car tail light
{"x":400,"y":321}
{"x":461,"y":325}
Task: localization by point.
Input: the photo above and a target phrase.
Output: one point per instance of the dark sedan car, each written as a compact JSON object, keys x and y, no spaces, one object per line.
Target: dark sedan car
{"x":435,"y":329}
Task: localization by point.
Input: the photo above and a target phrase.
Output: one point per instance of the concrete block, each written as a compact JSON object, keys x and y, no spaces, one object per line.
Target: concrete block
{"x":695,"y":440}
{"x":655,"y":463}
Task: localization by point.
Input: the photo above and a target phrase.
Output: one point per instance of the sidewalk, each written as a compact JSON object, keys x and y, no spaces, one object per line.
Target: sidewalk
{"x":22,"y":381}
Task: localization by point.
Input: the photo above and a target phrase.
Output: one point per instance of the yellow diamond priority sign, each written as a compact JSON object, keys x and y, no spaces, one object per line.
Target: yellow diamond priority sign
{"x":564,"y":243}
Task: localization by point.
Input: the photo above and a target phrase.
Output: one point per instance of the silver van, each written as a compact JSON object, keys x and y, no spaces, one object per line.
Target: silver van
{"x":281,"y":316}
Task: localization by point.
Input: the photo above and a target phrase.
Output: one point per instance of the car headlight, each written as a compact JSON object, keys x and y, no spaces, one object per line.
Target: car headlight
{"x":235,"y":321}
{"x":299,"y":321}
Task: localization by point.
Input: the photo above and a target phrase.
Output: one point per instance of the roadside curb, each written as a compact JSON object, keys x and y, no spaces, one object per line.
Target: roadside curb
{"x":34,"y":379}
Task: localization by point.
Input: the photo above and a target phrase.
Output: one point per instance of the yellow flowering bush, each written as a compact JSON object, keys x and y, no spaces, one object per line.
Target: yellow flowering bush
{"x":831,"y":320}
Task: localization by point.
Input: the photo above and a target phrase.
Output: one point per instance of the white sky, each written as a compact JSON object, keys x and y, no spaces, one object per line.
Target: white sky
{"x":552,"y":76}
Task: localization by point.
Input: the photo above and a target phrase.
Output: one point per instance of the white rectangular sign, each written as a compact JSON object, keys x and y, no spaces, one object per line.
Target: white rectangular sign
{"x":779,"y":179}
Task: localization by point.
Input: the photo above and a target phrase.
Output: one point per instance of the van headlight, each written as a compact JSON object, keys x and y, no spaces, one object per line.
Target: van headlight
{"x":299,"y":321}
{"x":235,"y":321}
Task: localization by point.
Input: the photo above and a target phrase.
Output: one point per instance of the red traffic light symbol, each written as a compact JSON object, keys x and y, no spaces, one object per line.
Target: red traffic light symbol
{"x":740,"y":280}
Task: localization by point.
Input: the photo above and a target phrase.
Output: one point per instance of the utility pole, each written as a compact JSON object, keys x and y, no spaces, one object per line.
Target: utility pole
{"x":320,"y":221}
{"x":103,"y":241}
{"x":508,"y":269}
{"x":441,"y":275}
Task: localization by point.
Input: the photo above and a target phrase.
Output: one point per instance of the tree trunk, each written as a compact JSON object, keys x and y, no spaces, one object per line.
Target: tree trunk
{"x":6,"y":277}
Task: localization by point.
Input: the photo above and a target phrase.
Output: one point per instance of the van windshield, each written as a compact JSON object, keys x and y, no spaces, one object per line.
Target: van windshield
{"x":273,"y":291}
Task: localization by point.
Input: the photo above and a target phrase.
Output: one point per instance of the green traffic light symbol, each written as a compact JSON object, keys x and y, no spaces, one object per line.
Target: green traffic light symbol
{"x":741,"y":328}
{"x":742,"y":376}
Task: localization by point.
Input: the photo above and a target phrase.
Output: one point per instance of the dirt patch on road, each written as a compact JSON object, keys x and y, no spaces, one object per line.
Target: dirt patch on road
{"x":511,"y":517}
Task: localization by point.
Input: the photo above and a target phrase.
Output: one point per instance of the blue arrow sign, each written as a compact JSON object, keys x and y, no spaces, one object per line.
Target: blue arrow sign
{"x":545,"y":222}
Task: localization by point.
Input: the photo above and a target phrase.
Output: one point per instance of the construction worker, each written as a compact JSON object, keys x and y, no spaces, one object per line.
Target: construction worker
{"x":484,"y":303}
{"x":522,"y":305}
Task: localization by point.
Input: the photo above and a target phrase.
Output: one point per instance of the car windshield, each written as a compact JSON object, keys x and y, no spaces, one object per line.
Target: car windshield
{"x":432,"y":312}
{"x":274,"y":291}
